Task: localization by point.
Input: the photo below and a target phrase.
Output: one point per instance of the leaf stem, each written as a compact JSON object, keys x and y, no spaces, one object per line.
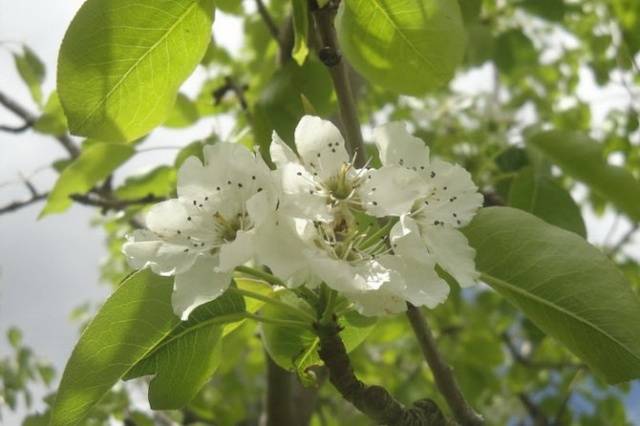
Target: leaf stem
{"x":442,"y":373}
{"x":264,"y":276}
{"x":274,"y":301}
{"x":278,"y":321}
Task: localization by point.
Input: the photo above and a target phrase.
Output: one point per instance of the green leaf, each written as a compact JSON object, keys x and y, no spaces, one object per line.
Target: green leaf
{"x":159,"y":182}
{"x":581,"y":157}
{"x":408,"y":46}
{"x":95,"y":163}
{"x":121,"y":63}
{"x":131,"y":322}
{"x":566,"y":287}
{"x":300,"y":30}
{"x":14,"y":335}
{"x":52,"y":121}
{"x":280,"y":104}
{"x":184,"y":113}
{"x":294,"y":348}
{"x":196,"y":346}
{"x":543,"y":197}
{"x":32,"y":71}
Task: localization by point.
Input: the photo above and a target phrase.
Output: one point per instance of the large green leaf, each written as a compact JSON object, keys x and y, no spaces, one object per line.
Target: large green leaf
{"x":409,"y":46}
{"x":540,"y":195}
{"x":567,"y":287}
{"x":95,"y":163}
{"x":121,"y":63}
{"x":136,"y":333}
{"x":582,"y":158}
{"x":131,"y":322}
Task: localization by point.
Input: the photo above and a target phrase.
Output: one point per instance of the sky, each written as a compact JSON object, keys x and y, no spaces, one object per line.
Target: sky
{"x":50,"y":266}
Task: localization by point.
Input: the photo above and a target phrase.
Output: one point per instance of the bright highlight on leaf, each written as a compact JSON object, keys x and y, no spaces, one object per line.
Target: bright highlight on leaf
{"x":121,"y":63}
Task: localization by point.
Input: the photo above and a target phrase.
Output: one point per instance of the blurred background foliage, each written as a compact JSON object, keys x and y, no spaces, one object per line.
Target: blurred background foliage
{"x":523,"y":64}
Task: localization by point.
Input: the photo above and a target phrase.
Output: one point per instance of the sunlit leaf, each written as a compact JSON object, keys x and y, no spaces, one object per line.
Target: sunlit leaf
{"x":408,"y":46}
{"x":121,"y":63}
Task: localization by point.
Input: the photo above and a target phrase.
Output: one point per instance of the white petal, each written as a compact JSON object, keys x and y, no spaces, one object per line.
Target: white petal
{"x":194,"y":180}
{"x":280,"y":152}
{"x":407,"y":242}
{"x":197,"y":286}
{"x":342,"y":276}
{"x":422,"y":286}
{"x":145,"y":249}
{"x":261,"y":206}
{"x":280,"y":246}
{"x":397,"y":146}
{"x":320,"y":146}
{"x":452,"y":252}
{"x":237,"y":252}
{"x":168,"y":217}
{"x":301,"y":198}
{"x":391,"y":191}
{"x":453,"y":198}
{"x":378,"y":302}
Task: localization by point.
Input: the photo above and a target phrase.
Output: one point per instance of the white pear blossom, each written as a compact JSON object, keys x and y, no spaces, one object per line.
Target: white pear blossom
{"x":206,"y":232}
{"x":450,"y":201}
{"x":324,"y":192}
{"x":321,"y":177}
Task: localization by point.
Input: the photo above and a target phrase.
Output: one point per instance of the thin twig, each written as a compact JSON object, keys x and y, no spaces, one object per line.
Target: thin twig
{"x":107,"y":204}
{"x":30,"y":118}
{"x":268,"y":21}
{"x":624,"y":240}
{"x":536,"y":414}
{"x":16,"y":205}
{"x":16,"y":129}
{"x":529,"y":363}
{"x":442,"y":373}
{"x":331,"y":57}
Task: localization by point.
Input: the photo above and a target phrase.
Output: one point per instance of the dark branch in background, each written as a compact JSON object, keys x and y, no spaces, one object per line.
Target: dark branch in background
{"x":374,"y":401}
{"x":536,"y":414}
{"x":268,"y":21}
{"x":527,"y":362}
{"x":492,"y":199}
{"x":238,"y":90}
{"x":442,"y":373}
{"x":16,"y":129}
{"x":16,"y":205}
{"x":623,"y":241}
{"x":107,"y":204}
{"x":331,"y":57}
{"x":29,"y":120}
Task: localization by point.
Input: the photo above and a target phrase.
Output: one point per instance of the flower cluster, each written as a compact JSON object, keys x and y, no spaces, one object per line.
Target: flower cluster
{"x":374,"y":235}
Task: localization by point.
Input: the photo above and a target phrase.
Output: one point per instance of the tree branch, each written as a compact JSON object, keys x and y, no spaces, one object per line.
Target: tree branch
{"x":16,"y":205}
{"x":442,"y":373}
{"x":374,"y":401}
{"x":538,"y":417}
{"x":527,"y":362}
{"x":330,"y":56}
{"x":107,"y":204}
{"x":29,"y":119}
{"x":268,"y":21}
